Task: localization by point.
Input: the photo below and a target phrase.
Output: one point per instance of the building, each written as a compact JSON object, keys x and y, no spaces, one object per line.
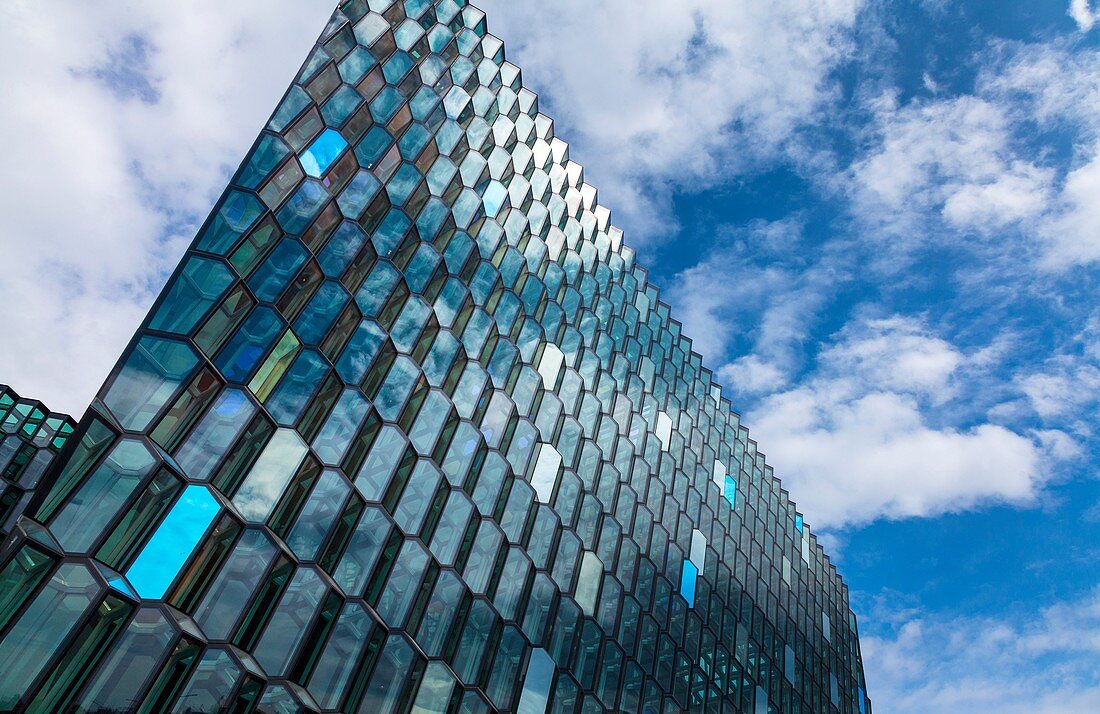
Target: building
{"x":410,"y":430}
{"x":30,"y":438}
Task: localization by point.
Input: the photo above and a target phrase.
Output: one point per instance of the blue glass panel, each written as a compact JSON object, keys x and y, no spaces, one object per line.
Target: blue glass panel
{"x":390,"y":234}
{"x":321,"y":154}
{"x":167,"y":551}
{"x":403,"y":182}
{"x":194,"y":291}
{"x":761,"y":701}
{"x":494,"y":197}
{"x":268,"y":154}
{"x":340,"y":105}
{"x":292,"y":105}
{"x":373,"y":146}
{"x":249,"y":344}
{"x":318,"y":515}
{"x":264,"y":485}
{"x":536,"y":683}
{"x":798,"y":522}
{"x":397,"y":66}
{"x":413,"y":141}
{"x":290,"y":621}
{"x":376,"y":288}
{"x":323,"y":309}
{"x":102,"y":494}
{"x":431,"y":218}
{"x":386,"y":104}
{"x":358,"y":194}
{"x":149,"y":378}
{"x":730,"y":491}
{"x":297,"y":387}
{"x":358,"y":62}
{"x":236,"y":582}
{"x":215,"y":433}
{"x":298,"y":212}
{"x":424,"y":103}
{"x":360,"y":352}
{"x":338,"y":660}
{"x":688,"y":577}
{"x":40,"y":631}
{"x":343,"y":246}
{"x":235,"y":214}
{"x":272,"y":277}
{"x":335,"y":436}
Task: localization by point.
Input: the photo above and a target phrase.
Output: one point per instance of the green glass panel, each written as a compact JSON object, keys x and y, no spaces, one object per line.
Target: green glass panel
{"x":82,"y":655}
{"x":19,"y":579}
{"x":104,"y":492}
{"x":116,"y":686}
{"x":36,"y":636}
{"x":197,"y":287}
{"x":149,"y":378}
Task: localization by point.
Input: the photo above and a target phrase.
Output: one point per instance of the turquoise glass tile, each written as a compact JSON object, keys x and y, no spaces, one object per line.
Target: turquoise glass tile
{"x":729,"y":491}
{"x":268,"y":154}
{"x":245,"y":349}
{"x":688,"y":579}
{"x":235,"y":215}
{"x":336,"y":111}
{"x":300,"y":210}
{"x":167,"y":551}
{"x":194,"y":291}
{"x":494,"y":198}
{"x":342,"y":247}
{"x":321,"y":154}
{"x":323,"y":309}
{"x":297,"y":387}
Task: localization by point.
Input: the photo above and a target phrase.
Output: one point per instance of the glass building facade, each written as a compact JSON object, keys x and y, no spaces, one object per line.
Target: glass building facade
{"x":409,"y":430}
{"x":31,"y":436}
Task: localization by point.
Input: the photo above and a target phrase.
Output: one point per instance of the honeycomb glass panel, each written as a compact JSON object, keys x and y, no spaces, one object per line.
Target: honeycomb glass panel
{"x":410,"y":429}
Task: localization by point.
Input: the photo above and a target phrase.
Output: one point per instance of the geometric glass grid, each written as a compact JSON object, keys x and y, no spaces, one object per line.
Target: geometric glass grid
{"x":409,"y":430}
{"x":31,"y":436}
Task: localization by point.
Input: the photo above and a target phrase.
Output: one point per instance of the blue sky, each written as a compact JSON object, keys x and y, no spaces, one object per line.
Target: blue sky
{"x":879,"y":219}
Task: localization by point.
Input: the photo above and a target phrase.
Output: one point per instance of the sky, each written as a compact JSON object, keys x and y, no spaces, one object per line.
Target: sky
{"x":880,"y":219}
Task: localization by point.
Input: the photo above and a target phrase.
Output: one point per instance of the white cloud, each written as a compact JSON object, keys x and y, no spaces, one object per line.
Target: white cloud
{"x":1065,"y":390}
{"x":1083,"y":14}
{"x":123,"y":121}
{"x":973,"y":170}
{"x":855,"y":441}
{"x":1040,"y":663}
{"x":756,"y":288}
{"x":675,"y":93}
{"x":954,"y":158}
{"x":1074,"y":232}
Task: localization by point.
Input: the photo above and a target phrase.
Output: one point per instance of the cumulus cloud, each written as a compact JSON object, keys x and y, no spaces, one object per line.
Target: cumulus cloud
{"x":676,"y":93}
{"x":1039,"y":663}
{"x":760,"y":289}
{"x":954,"y":158}
{"x":855,"y":440}
{"x":1083,"y":14}
{"x":975,"y":167}
{"x":123,"y":122}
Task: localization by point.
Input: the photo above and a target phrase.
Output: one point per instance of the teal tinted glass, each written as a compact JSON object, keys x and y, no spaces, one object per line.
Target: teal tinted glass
{"x":162,"y":558}
{"x":196,"y":289}
{"x":729,"y":491}
{"x":149,"y":378}
{"x":688,"y":579}
{"x":324,"y":150}
{"x":215,"y":434}
{"x":236,"y":213}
